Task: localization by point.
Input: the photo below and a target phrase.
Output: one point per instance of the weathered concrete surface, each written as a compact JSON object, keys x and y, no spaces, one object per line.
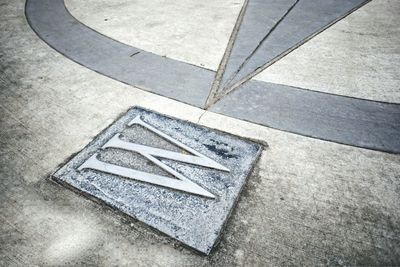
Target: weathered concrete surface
{"x":308,"y":202}
{"x":358,"y":56}
{"x":195,"y":32}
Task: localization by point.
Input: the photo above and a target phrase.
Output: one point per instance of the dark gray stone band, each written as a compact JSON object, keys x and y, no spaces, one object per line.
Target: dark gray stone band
{"x":351,"y":121}
{"x":167,"y":77}
{"x":345,"y":120}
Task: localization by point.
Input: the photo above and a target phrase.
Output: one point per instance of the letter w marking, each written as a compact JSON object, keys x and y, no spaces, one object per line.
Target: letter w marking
{"x":151,"y":153}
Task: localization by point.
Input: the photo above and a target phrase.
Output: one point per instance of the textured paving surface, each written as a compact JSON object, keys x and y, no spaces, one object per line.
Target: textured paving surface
{"x":308,"y":202}
{"x":192,"y":84}
{"x":196,"y":221}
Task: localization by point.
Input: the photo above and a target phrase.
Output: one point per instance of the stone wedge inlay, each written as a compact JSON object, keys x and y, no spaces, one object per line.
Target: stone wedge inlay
{"x":189,"y":189}
{"x":164,"y":76}
{"x":271,"y":28}
{"x":259,"y":19}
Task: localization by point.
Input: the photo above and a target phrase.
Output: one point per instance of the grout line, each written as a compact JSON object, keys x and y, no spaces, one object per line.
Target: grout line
{"x":224,"y":61}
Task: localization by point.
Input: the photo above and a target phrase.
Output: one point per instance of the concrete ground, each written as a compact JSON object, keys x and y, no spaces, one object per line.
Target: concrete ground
{"x":308,"y":201}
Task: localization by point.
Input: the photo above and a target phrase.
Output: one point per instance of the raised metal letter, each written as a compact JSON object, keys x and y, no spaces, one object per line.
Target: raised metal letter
{"x":151,"y":153}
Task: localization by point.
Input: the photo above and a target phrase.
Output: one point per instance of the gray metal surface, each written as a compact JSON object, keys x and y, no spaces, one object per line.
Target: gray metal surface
{"x":154,"y":73}
{"x":270,"y":28}
{"x":361,"y":123}
{"x":193,"y":203}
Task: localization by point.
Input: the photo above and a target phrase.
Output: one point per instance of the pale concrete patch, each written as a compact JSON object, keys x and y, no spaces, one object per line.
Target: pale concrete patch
{"x":192,"y":31}
{"x":359,"y":56}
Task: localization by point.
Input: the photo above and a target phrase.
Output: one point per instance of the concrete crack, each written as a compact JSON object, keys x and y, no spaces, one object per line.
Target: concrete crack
{"x":134,"y":54}
{"x":198,"y":121}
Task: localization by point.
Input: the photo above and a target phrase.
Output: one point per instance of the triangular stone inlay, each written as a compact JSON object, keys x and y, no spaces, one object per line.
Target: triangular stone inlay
{"x":272,"y":28}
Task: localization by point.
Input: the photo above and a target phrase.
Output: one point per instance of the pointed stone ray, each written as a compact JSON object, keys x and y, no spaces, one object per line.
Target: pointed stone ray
{"x":256,"y":27}
{"x":305,"y":19}
{"x":257,"y":18}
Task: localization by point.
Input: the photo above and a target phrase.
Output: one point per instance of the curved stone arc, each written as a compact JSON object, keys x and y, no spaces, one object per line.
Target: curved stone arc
{"x":164,"y":76}
{"x":345,"y":120}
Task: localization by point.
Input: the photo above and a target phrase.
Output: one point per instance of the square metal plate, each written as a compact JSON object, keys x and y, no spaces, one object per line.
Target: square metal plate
{"x":180,"y":178}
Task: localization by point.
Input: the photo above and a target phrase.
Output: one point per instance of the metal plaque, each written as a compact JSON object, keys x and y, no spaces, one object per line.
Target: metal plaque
{"x":178,"y":177}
